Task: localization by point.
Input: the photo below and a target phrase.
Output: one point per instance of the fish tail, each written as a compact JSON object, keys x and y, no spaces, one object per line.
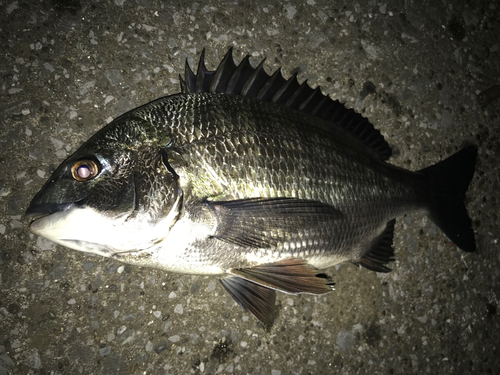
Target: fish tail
{"x":448,"y":183}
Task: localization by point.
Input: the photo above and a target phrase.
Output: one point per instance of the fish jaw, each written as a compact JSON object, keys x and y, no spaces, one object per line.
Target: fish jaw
{"x":88,"y":230}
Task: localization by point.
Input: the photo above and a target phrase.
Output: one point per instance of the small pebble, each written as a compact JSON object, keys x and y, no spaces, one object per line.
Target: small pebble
{"x":105,"y":351}
{"x":175,"y":338}
{"x":160,"y":347}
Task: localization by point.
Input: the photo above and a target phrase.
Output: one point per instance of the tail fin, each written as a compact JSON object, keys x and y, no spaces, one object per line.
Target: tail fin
{"x":448,"y":183}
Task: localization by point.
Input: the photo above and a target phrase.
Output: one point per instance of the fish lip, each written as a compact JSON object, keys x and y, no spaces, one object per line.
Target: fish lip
{"x":37,"y":211}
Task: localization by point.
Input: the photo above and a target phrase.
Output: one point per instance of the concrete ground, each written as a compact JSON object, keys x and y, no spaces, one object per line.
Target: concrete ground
{"x":423,"y":72}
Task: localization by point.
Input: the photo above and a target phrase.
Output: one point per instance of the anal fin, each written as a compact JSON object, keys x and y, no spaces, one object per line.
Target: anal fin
{"x":254,"y":298}
{"x":292,"y":276}
{"x":381,"y":252}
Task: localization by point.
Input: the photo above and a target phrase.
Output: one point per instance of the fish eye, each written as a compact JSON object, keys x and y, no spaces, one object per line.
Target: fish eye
{"x":85,"y":170}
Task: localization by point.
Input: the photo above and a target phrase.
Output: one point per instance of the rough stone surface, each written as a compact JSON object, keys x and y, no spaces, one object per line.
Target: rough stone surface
{"x":415,"y":69}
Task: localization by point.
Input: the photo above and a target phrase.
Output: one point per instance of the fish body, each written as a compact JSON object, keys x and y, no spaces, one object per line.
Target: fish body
{"x":250,"y":176}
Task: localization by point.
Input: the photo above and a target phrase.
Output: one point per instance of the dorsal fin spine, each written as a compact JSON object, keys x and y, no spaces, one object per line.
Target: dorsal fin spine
{"x":296,"y":98}
{"x":223,"y":74}
{"x":200,"y":87}
{"x":184,"y":89}
{"x":282,"y":94}
{"x":272,"y":85}
{"x":316,"y":110}
{"x":314,"y":93}
{"x":190,"y":78}
{"x":239,"y":77}
{"x":256,"y":81}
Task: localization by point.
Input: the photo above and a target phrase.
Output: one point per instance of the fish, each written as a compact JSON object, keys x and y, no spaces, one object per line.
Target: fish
{"x":262,"y":181}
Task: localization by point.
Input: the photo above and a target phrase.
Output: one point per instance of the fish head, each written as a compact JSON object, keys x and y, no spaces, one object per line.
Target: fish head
{"x":105,"y":196}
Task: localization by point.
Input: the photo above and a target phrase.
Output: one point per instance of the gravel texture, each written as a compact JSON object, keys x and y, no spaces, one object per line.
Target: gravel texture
{"x":425,"y":73}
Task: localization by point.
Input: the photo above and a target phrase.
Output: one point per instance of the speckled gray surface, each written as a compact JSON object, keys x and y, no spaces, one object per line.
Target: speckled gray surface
{"x":414,"y":68}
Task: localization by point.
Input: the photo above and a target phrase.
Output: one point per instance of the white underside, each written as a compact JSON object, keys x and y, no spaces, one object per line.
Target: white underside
{"x":88,"y":230}
{"x":179,"y":252}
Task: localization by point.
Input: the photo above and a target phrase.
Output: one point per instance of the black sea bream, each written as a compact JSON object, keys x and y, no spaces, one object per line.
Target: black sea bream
{"x":259,"y":179}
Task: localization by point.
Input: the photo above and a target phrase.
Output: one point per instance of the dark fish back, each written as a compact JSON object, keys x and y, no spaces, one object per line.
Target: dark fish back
{"x":244,"y":80}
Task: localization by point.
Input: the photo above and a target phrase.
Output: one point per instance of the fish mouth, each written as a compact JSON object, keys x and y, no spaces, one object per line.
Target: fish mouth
{"x":37,"y":211}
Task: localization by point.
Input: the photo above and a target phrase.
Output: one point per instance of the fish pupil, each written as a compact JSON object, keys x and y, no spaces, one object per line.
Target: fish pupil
{"x":83,"y":171}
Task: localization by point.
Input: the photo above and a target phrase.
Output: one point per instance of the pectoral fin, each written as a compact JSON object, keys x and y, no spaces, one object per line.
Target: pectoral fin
{"x":265,"y":222}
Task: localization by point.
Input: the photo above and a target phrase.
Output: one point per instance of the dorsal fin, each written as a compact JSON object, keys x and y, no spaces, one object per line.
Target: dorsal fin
{"x":250,"y":82}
